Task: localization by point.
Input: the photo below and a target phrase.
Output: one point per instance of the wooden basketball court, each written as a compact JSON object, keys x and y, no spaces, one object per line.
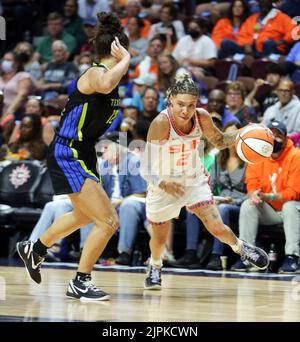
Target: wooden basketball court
{"x":184,"y":298}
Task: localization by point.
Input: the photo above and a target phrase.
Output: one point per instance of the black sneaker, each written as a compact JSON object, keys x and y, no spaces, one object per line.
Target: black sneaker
{"x":123,"y":259}
{"x":256,"y":256}
{"x":153,"y":280}
{"x":31,"y":260}
{"x":214,"y":263}
{"x":85,"y":290}
{"x":189,"y":258}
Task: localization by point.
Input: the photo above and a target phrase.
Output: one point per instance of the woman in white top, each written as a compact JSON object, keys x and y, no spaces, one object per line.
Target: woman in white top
{"x":177,"y":177}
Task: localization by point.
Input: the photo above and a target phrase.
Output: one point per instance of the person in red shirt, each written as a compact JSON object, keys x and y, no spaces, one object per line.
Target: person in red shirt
{"x":274,"y":192}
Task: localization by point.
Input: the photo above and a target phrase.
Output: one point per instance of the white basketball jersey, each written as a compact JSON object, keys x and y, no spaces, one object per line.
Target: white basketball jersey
{"x":180,"y":158}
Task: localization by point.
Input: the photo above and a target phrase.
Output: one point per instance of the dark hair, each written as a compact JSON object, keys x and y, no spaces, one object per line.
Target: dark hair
{"x":36,"y":125}
{"x":165,"y":81}
{"x":274,"y":68}
{"x":184,"y":85}
{"x":108,"y":28}
{"x":245,"y":14}
{"x":223,"y":155}
{"x":172,"y":10}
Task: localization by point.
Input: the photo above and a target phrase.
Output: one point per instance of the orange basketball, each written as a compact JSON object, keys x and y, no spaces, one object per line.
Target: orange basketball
{"x":254,"y":144}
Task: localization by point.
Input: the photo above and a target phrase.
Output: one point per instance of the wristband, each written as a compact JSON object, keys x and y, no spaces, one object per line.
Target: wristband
{"x":271,"y":197}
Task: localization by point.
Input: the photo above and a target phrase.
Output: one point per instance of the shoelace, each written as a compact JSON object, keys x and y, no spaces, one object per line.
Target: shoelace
{"x":90,"y":285}
{"x":249,"y":253}
{"x":155,"y":275}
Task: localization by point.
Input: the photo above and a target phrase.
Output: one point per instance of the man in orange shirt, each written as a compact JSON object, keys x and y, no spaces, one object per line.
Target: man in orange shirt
{"x":274,"y":192}
{"x":264,"y":33}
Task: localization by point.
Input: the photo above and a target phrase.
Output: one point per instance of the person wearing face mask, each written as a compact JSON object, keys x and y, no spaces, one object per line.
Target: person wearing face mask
{"x":196,"y":51}
{"x":15,"y":84}
{"x":24,"y":51}
{"x":274,"y":193}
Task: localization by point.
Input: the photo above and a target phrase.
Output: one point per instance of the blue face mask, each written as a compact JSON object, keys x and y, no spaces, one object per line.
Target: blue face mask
{"x":7,"y":66}
{"x":278,"y":145}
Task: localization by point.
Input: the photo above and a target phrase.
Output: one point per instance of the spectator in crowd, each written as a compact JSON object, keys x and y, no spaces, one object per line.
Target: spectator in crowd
{"x":228,"y":182}
{"x":24,"y":51}
{"x":126,"y":189}
{"x":90,"y":8}
{"x":291,"y":65}
{"x":132,"y":10}
{"x":148,"y":107}
{"x":168,"y":16}
{"x":228,"y":28}
{"x":55,"y":32}
{"x":287,"y":109}
{"x":15,"y":84}
{"x":30,"y":144}
{"x":196,"y":50}
{"x":138,"y":45}
{"x":168,"y":70}
{"x":73,"y":23}
{"x":269,"y":31}
{"x":216,"y":104}
{"x":89,"y":26}
{"x":149,"y":64}
{"x":58,"y":74}
{"x":235,"y":101}
{"x":274,"y":192}
{"x":270,"y":97}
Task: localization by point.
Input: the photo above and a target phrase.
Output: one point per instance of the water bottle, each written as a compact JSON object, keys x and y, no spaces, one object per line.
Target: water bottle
{"x":137,"y":258}
{"x":272,"y":268}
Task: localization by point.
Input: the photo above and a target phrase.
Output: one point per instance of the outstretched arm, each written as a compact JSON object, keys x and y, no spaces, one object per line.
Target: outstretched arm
{"x":219,"y":139}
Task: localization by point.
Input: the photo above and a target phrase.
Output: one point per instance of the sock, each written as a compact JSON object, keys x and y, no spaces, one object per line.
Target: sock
{"x":237,"y":247}
{"x":82,"y":276}
{"x":156,"y":263}
{"x":39,"y":248}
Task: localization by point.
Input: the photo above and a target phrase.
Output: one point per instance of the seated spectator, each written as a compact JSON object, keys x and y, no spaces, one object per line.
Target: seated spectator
{"x":287,"y":109}
{"x":127,"y":191}
{"x":264,"y":33}
{"x":168,"y":70}
{"x":55,"y":32}
{"x":228,"y":28}
{"x":58,"y":74}
{"x":24,"y":51}
{"x":196,"y":51}
{"x":216,"y":105}
{"x":274,"y":192}
{"x":132,"y":10}
{"x":90,"y":8}
{"x":149,"y":104}
{"x":291,"y":65}
{"x":15,"y":84}
{"x":149,"y":64}
{"x":138,"y":45}
{"x":235,"y":101}
{"x":30,"y":144}
{"x":89,"y":26}
{"x":295,"y":137}
{"x":262,"y":103}
{"x":168,"y":16}
{"x":73,"y":23}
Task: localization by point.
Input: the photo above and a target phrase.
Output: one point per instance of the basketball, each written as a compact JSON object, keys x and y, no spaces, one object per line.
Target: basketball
{"x":254,"y":144}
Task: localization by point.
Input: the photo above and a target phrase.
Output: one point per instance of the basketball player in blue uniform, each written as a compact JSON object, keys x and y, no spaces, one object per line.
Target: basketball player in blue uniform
{"x":90,"y":110}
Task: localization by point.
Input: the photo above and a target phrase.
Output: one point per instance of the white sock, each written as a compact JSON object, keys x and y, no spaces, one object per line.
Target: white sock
{"x":237,"y":246}
{"x":155,"y":263}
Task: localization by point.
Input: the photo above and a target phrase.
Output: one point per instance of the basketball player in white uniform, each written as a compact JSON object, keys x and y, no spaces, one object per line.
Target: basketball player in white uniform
{"x":173,"y":168}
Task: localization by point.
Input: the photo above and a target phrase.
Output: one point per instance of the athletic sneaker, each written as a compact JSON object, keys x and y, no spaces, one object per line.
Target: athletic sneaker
{"x":153,"y":280}
{"x":256,"y":256}
{"x":85,"y":290}
{"x":31,"y":260}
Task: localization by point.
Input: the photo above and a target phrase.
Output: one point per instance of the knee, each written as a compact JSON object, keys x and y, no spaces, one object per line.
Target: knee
{"x":223,"y":208}
{"x":127,"y":204}
{"x":290,"y":206}
{"x":110,"y":223}
{"x":247,"y":207}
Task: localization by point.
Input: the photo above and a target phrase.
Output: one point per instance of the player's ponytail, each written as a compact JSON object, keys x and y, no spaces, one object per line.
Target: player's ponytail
{"x":108,"y":28}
